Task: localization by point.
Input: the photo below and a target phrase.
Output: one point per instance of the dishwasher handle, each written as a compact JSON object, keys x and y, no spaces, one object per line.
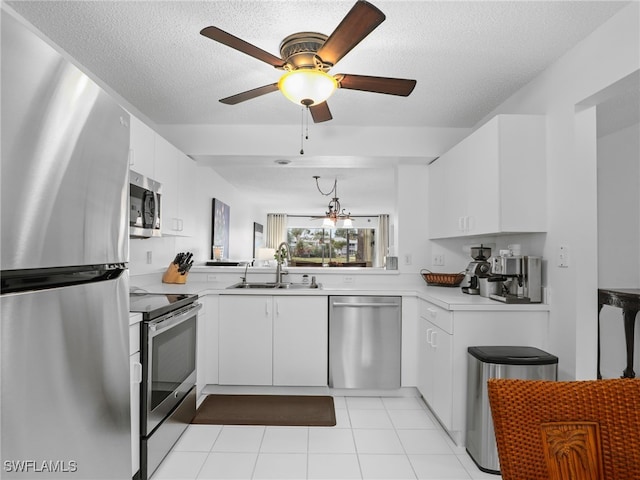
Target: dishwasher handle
{"x":372,"y":304}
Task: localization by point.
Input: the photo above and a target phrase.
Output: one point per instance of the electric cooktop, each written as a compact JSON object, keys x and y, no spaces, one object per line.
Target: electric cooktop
{"x":154,"y":305}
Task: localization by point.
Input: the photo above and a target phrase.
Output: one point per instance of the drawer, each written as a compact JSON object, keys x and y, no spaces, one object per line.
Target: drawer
{"x":437,"y":315}
{"x":134,"y":338}
{"x":134,"y":318}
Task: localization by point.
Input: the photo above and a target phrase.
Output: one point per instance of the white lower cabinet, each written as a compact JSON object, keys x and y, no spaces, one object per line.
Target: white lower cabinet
{"x":436,"y":375}
{"x":207,"y":351}
{"x":135,"y":372}
{"x":272,"y":340}
{"x":245,"y":341}
{"x":300,"y":341}
{"x":443,"y":339}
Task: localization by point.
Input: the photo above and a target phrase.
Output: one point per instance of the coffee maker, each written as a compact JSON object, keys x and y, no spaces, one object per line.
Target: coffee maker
{"x":479,"y":268}
{"x":523,"y":274}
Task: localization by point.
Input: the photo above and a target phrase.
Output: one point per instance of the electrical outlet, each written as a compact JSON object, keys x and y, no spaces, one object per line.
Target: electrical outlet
{"x":212,"y":278}
{"x":149,"y":257}
{"x":438,"y":260}
{"x":407,"y":259}
{"x":347,"y":280}
{"x":563,"y":256}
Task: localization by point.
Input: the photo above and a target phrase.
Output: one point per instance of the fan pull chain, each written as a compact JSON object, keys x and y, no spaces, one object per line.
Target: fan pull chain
{"x":304,"y":135}
{"x":302,"y":132}
{"x":308,"y":115}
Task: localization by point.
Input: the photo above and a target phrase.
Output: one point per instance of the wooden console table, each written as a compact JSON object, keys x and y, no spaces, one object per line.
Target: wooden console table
{"x":628,"y":299}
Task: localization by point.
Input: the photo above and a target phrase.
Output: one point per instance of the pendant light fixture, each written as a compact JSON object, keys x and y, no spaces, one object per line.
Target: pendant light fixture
{"x":335,"y":213}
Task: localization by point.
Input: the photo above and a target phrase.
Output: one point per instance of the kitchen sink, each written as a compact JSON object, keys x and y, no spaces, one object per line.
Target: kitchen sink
{"x":290,"y":286}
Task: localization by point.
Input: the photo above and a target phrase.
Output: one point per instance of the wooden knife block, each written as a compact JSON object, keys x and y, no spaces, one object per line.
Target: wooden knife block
{"x":171,"y":275}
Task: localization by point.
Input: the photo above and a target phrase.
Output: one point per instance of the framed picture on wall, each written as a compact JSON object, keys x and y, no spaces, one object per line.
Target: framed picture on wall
{"x":258,"y":238}
{"x":220,"y":230}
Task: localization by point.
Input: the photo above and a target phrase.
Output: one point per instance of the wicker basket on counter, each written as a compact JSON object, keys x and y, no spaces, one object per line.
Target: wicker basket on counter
{"x":441,"y":279}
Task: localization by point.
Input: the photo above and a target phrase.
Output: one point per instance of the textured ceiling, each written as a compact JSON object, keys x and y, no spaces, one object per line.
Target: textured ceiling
{"x":467,"y":58}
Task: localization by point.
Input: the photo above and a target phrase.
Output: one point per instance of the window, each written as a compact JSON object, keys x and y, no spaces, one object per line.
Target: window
{"x":314,"y":245}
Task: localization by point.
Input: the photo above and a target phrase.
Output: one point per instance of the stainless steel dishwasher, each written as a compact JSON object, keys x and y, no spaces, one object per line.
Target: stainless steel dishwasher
{"x":364,"y":341}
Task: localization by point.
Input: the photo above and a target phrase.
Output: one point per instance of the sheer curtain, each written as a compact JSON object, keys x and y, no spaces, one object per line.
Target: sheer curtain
{"x":276,"y":229}
{"x":382,"y":240}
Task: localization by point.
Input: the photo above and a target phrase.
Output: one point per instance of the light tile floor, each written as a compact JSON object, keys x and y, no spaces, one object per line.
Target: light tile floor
{"x":375,"y":438}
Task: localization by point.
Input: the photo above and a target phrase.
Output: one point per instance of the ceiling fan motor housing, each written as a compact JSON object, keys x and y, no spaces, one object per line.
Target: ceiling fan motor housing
{"x":299,"y":50}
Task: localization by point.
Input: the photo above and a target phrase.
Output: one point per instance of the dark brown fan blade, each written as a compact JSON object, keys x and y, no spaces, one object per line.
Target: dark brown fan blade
{"x":361,"y":20}
{"x":389,"y":86}
{"x":249,"y":94}
{"x":320,"y":112}
{"x":214,"y":33}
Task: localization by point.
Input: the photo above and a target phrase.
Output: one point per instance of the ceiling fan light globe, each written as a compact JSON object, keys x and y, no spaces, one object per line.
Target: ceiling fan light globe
{"x":307,"y":86}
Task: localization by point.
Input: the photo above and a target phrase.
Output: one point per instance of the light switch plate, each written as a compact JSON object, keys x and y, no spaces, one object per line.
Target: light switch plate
{"x":563,"y":256}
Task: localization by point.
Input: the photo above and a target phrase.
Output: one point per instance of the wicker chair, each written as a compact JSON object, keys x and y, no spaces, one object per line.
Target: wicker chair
{"x":581,"y":430}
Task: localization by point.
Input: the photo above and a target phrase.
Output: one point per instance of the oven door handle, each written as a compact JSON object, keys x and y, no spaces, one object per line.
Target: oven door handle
{"x":156,"y":328}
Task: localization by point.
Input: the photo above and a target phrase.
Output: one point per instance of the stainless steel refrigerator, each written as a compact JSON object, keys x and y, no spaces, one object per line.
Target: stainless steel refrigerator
{"x":64,"y":398}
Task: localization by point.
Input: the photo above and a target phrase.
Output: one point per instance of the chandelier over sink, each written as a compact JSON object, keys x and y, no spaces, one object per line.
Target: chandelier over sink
{"x":335,"y":211}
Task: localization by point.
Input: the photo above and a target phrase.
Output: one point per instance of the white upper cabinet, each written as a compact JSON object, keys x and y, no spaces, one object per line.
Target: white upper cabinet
{"x":187,"y":198}
{"x":142,"y":148}
{"x":493,"y":181}
{"x":154,"y":157}
{"x":166,"y":172}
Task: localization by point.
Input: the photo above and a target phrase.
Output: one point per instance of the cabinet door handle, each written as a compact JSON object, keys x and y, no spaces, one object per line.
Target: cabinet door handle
{"x":461,"y":223}
{"x":433,"y":313}
{"x":434,"y":338}
{"x":277,"y":308}
{"x":429,"y":333}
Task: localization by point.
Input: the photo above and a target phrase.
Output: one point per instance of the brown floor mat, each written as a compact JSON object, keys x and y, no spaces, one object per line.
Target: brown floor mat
{"x":279,"y":410}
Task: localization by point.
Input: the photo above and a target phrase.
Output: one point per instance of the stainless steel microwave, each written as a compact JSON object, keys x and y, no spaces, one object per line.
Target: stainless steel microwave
{"x":144,"y":206}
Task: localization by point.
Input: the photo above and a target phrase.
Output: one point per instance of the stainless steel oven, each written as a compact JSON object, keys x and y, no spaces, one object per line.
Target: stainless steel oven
{"x":168,"y":347}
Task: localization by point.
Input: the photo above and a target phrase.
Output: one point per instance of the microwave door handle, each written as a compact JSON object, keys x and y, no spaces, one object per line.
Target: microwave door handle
{"x":156,"y":328}
{"x":156,"y":210}
{"x":148,"y":209}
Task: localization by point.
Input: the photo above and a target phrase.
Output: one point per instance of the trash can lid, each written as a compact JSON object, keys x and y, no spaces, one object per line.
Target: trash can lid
{"x":512,"y":355}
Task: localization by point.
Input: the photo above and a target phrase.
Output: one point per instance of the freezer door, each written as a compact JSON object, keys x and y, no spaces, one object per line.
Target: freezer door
{"x":65,"y":382}
{"x":65,"y":147}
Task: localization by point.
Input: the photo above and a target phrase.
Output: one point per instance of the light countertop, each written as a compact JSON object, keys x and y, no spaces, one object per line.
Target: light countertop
{"x":449,"y":298}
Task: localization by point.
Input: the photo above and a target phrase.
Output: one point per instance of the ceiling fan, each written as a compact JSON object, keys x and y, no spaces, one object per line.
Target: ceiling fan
{"x":308,"y":56}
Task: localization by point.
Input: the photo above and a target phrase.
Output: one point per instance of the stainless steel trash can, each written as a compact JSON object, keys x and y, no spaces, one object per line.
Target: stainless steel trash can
{"x":527,"y":363}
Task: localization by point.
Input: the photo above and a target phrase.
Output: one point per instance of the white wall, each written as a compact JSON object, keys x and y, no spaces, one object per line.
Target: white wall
{"x":618,"y":236}
{"x":609,"y":54}
{"x":410,"y":228}
{"x":208,"y":185}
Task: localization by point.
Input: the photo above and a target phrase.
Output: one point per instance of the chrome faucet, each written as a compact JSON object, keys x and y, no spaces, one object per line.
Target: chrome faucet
{"x":279,"y":271}
{"x":244,"y":279}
